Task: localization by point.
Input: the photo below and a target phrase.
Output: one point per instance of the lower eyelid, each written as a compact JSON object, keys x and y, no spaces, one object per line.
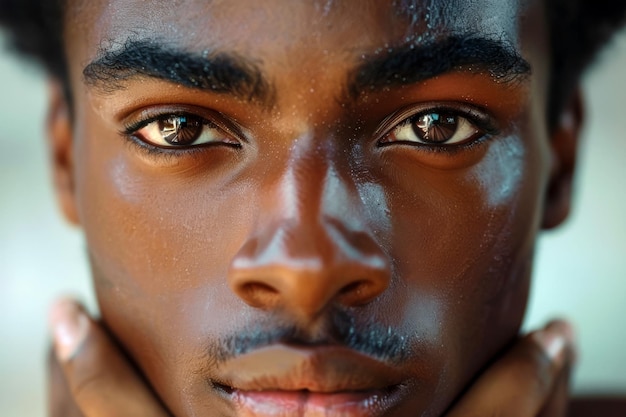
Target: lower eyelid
{"x":166,"y":155}
{"x":204,"y":116}
{"x":135,"y":130}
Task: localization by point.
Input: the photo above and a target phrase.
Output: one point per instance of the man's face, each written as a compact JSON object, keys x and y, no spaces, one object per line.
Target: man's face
{"x":293,"y":207}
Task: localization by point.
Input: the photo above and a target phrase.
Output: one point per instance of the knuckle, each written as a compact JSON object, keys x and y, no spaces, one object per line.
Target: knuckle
{"x":537,"y":372}
{"x":494,"y":412}
{"x":90,"y":393}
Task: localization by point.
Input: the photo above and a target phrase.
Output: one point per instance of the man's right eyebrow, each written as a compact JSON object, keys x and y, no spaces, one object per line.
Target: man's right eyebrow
{"x":217,"y":72}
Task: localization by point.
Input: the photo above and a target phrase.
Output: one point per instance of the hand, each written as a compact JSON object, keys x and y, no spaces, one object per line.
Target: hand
{"x":530,"y":380}
{"x":90,"y":377}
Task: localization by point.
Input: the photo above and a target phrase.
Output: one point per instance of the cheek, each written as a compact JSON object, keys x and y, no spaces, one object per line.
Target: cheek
{"x":159,"y":244}
{"x":462,"y":240}
{"x":157,"y":228}
{"x":445,"y":223}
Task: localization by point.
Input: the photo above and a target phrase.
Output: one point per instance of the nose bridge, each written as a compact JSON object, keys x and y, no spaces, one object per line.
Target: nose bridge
{"x":310,"y":210}
{"x":302,"y":187}
{"x":310,"y":246}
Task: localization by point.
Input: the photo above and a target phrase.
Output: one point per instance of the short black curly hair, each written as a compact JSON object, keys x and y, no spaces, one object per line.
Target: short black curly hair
{"x":578,"y":30}
{"x":35,"y":29}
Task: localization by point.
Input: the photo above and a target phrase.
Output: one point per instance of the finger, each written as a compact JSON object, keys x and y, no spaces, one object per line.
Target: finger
{"x":60,"y":401}
{"x":521,"y":383}
{"x":559,"y":400}
{"x":100,"y":379}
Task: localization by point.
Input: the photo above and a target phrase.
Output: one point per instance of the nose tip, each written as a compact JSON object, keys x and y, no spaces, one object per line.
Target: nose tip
{"x":303,"y":274}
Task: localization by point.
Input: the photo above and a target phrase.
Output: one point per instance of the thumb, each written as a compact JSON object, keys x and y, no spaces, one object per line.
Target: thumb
{"x":527,"y":381}
{"x":101,"y":380}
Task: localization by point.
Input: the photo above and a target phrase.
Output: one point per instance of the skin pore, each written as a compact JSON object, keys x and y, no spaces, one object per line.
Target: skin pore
{"x":346,"y":208}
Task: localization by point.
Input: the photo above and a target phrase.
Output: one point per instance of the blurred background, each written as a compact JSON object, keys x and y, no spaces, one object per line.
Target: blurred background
{"x":580,"y":269}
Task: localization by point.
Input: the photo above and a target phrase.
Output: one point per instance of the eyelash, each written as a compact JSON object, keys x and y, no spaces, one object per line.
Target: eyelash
{"x":130,"y":130}
{"x":477,"y":117}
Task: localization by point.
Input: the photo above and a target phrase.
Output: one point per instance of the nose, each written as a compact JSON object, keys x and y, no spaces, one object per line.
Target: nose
{"x":311,"y":248}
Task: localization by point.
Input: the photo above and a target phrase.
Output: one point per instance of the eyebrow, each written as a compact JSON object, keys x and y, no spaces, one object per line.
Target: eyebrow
{"x":225,"y":73}
{"x":229,"y":73}
{"x":411,"y":64}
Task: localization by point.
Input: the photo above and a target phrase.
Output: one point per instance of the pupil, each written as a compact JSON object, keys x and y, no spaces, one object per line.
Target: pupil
{"x":180,"y":130}
{"x":436,"y":127}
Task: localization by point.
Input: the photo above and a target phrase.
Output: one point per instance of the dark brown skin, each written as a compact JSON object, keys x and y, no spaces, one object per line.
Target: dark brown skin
{"x":306,"y":219}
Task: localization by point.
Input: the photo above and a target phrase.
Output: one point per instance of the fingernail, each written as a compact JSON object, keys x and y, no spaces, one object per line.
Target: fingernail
{"x":554,"y":340}
{"x":69,"y":328}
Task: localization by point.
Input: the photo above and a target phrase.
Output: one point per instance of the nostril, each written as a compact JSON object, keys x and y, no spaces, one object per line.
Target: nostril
{"x":358,"y":293}
{"x":259,"y":287}
{"x":259,"y":294}
{"x":352,"y":287}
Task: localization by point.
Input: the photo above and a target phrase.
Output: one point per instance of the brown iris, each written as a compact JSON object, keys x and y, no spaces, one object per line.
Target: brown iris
{"x":435,"y":127}
{"x":180,"y":130}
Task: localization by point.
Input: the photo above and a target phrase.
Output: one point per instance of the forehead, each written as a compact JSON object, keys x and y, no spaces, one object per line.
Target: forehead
{"x":275,"y":26}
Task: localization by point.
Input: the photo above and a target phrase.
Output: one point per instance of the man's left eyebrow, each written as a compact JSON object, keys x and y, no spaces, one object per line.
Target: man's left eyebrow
{"x":217,"y":72}
{"x":410,"y":64}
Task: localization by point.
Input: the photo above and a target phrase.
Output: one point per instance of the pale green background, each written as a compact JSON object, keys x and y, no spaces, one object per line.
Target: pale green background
{"x":581,"y":268}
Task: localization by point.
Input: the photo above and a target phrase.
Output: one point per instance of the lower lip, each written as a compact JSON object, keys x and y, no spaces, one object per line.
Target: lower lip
{"x":311,"y":404}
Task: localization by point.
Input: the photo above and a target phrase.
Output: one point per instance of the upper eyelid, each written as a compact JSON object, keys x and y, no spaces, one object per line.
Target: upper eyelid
{"x":134,"y":127}
{"x":132,"y":124}
{"x":474,"y":114}
{"x":155,"y":150}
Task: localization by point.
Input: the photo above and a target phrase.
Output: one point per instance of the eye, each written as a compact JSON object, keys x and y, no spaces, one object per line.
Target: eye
{"x":434,"y":128}
{"x":171,"y":131}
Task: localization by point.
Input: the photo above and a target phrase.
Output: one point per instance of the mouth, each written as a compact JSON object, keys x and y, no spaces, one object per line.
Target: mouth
{"x":287,"y":381}
{"x":309,"y":404}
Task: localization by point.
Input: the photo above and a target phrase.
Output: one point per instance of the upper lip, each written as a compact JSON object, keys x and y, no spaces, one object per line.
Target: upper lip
{"x":327,"y":369}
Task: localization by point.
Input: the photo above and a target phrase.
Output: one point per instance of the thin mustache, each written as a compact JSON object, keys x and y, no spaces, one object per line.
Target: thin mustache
{"x":373,"y":339}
